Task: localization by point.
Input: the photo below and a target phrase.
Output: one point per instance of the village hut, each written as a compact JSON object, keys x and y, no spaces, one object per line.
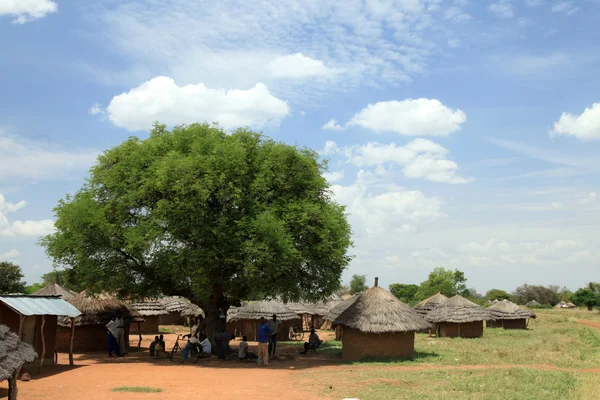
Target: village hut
{"x":458,"y":317}
{"x":190,"y":312}
{"x":14,"y":353}
{"x":377,"y":324}
{"x":562,"y":304}
{"x":174,"y":306}
{"x":96,"y":312}
{"x":508,"y":315}
{"x":318,"y":311}
{"x":570,"y":305}
{"x":35,"y":319}
{"x":54,"y":289}
{"x":150,"y":310}
{"x":533,"y":303}
{"x":429,"y":304}
{"x":335,"y":312}
{"x":304,"y":312}
{"x":246,"y":318}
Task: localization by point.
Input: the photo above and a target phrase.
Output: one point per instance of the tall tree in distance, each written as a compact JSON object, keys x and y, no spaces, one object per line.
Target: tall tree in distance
{"x":497,"y":294}
{"x":11,"y":278}
{"x":202,"y":213}
{"x":404,"y":292}
{"x":588,"y":297}
{"x":358,"y":284}
{"x":447,"y":282}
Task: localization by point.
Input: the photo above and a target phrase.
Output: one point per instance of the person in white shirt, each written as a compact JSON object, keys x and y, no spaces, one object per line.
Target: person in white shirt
{"x":121,"y":335}
{"x":274,"y":325}
{"x":111,"y":327}
{"x":243,"y":350}
{"x":191,"y":342}
{"x":205,"y":346}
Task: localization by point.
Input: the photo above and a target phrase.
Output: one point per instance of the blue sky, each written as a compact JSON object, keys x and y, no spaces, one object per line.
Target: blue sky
{"x":460,"y":133}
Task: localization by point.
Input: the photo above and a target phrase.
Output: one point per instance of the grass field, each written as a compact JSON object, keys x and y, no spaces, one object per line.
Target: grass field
{"x":551,"y":360}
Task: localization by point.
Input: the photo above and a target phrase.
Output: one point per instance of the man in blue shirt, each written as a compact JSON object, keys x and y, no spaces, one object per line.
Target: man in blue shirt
{"x":264,"y":331}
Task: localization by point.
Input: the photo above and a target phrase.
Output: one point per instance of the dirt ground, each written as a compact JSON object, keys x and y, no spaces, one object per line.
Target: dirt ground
{"x":590,"y":323}
{"x":94,"y":375}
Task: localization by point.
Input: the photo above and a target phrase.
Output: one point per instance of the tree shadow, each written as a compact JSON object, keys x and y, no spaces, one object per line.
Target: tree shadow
{"x":417,"y":356}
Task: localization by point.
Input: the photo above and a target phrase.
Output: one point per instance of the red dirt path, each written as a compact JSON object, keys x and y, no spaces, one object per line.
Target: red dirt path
{"x":590,"y":323}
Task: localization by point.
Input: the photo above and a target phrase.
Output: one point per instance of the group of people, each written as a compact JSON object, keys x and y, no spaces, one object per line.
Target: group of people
{"x":116,"y":336}
{"x":198,"y":341}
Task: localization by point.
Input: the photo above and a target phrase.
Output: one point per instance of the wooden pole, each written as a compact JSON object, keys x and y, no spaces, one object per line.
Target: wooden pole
{"x":458,"y":330}
{"x":139,"y":333}
{"x":12,"y":386}
{"x":21,"y":322}
{"x":43,"y":343}
{"x":71,"y":341}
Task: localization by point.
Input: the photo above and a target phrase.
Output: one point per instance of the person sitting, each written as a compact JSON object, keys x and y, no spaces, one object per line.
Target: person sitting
{"x":193,"y":341}
{"x":243,"y":350}
{"x":153,"y":345}
{"x":205,"y":347}
{"x":161,"y":341}
{"x":313,"y":342}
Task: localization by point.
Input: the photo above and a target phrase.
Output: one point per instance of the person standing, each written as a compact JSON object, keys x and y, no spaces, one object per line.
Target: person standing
{"x":274,"y":325}
{"x":264,"y":331}
{"x":111,"y":327}
{"x":194,"y":340}
{"x":121,"y":335}
{"x":222,"y":343}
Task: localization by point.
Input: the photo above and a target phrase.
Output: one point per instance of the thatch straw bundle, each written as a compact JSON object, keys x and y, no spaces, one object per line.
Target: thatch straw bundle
{"x":99,"y":309}
{"x":458,"y":310}
{"x":430,"y":303}
{"x":263,"y":309}
{"x":13,"y":353}
{"x":379,"y":311}
{"x":55,"y":289}
{"x":149,"y":307}
{"x":506,"y":309}
{"x":192,"y":310}
{"x":174,"y":303}
{"x":339,"y":308}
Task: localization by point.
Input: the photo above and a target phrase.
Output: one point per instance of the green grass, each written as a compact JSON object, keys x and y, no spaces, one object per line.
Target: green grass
{"x":171,"y":328}
{"x":137,"y":389}
{"x":328,"y":346}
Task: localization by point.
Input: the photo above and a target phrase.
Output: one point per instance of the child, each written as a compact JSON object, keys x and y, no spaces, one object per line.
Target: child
{"x":153,"y":345}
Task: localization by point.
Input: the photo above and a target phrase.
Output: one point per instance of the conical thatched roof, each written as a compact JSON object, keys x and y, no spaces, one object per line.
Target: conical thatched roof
{"x":99,"y":309}
{"x":174,"y":303}
{"x":378,"y":311}
{"x":13,"y":353}
{"x":506,"y":309}
{"x":192,"y":310}
{"x":299,"y":308}
{"x":149,"y":307}
{"x":264,"y":309}
{"x":533,"y":303}
{"x":54,"y":289}
{"x":339,"y":308}
{"x":458,"y":310}
{"x":430,"y":303}
{"x":321,"y":308}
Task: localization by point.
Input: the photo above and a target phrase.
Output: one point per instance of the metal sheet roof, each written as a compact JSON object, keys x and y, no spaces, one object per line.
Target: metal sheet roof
{"x":38,"y":305}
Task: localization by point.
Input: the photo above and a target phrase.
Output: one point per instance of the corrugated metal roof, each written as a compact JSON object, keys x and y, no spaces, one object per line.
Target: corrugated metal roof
{"x":37,"y":305}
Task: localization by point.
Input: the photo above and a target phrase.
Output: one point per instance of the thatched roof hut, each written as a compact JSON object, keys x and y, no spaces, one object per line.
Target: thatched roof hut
{"x":13,"y":354}
{"x":377,"y":324}
{"x":533,"y":303}
{"x":174,"y":305}
{"x":192,"y":310}
{"x":334,"y":311}
{"x":150,"y":310}
{"x":96,"y":312}
{"x":459,"y":317}
{"x":54,"y":289}
{"x":430,"y":303}
{"x":508,"y":315}
{"x":246,"y":318}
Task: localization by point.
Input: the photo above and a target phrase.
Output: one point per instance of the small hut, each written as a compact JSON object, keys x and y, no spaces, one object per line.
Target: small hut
{"x":429,"y":304}
{"x":150,"y":310}
{"x":377,"y":324}
{"x":246,"y":318}
{"x":335,"y":312}
{"x":458,"y":317}
{"x":561,"y":304}
{"x":54,"y":289}
{"x":319,"y":309}
{"x":533,"y":303}
{"x":13,"y":354}
{"x":570,"y":305}
{"x":190,"y":312}
{"x":96,"y":312}
{"x":174,"y":306}
{"x":508,"y":315}
{"x":304,"y":312}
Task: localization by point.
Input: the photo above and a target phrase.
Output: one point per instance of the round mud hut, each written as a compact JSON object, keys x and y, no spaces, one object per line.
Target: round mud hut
{"x":174,"y":306}
{"x":96,"y":311}
{"x":429,"y":304}
{"x":379,"y":325}
{"x":246,"y":318}
{"x":508,"y":315}
{"x":54,"y":289}
{"x":335,"y":312}
{"x":150,"y":310}
{"x":13,"y":355}
{"x":458,"y":317}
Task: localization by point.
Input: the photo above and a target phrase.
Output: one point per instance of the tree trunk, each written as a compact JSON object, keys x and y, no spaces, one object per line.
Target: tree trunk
{"x":12,"y":388}
{"x":215,"y":324}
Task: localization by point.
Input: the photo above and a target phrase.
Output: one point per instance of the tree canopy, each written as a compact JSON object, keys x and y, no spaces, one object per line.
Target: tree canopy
{"x":543,"y":295}
{"x":208,"y":215}
{"x":404,"y":292}
{"x":447,"y":282}
{"x":497,"y":294}
{"x":588,"y":296}
{"x":358,"y":284}
{"x":11,"y":278}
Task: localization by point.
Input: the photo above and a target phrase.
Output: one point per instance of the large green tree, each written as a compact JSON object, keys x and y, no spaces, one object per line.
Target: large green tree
{"x":497,"y":294}
{"x":445,"y":281}
{"x":208,"y":215}
{"x":588,"y":296}
{"x":543,"y":295}
{"x":11,"y":278}
{"x":358,"y":284}
{"x":404,"y":292}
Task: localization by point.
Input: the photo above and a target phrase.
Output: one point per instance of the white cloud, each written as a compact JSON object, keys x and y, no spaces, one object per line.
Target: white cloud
{"x":533,"y":3}
{"x":585,"y":126}
{"x":454,"y":43}
{"x":502,"y":9}
{"x":28,"y":160}
{"x":27,"y":10}
{"x":334,"y":176}
{"x":298,"y":66}
{"x":410,"y":117}
{"x":9,"y":255}
{"x":590,"y":198}
{"x":161,"y":99}
{"x":420,"y":158}
{"x":332,"y":125}
{"x":18,"y":227}
{"x":565,"y":7}
{"x":96,"y":109}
